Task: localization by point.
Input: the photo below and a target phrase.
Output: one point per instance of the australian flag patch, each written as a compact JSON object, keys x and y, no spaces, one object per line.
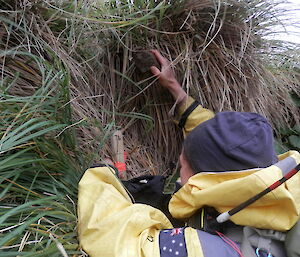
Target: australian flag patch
{"x":172,"y":243}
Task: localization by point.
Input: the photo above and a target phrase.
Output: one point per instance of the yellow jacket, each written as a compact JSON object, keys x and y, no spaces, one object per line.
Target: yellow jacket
{"x":109,"y":224}
{"x":278,"y":210}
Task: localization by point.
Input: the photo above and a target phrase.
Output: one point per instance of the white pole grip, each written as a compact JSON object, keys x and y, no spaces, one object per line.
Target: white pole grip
{"x":223,"y":217}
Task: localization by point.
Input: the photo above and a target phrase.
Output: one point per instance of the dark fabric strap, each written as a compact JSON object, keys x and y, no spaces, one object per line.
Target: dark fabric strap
{"x":186,"y":114}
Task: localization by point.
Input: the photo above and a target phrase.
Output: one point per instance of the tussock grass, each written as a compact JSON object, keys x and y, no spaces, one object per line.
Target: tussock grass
{"x":68,"y":80}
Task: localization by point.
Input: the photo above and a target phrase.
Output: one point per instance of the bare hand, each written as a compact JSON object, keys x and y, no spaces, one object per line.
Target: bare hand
{"x":167,"y":78}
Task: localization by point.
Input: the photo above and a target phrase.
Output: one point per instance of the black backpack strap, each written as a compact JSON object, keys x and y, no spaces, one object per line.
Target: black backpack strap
{"x":186,"y":114}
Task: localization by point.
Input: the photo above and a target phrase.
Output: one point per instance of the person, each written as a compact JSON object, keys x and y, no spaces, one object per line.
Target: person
{"x":227,"y":158}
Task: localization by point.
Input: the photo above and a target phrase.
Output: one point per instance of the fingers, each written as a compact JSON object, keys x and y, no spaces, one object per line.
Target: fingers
{"x":163,"y":61}
{"x":155,"y":71}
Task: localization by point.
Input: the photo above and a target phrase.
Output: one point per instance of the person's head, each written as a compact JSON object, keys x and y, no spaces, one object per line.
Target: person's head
{"x":228,"y":142}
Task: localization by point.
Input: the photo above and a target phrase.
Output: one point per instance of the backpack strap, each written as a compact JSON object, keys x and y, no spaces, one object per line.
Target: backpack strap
{"x":256,"y":240}
{"x":292,"y":245}
{"x":264,"y":244}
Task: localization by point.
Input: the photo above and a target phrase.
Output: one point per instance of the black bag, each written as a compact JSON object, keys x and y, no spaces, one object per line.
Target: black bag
{"x":150,"y":190}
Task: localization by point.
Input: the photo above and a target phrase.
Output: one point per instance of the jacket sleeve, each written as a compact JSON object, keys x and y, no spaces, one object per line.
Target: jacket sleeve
{"x":110,"y":224}
{"x":191,"y":114}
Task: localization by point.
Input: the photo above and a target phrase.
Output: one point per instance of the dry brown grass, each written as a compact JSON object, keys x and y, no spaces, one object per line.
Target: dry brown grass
{"x":215,"y":46}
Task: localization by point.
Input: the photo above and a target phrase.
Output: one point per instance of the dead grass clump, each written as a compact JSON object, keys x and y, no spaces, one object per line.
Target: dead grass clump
{"x":218,"y":48}
{"x":222,"y":47}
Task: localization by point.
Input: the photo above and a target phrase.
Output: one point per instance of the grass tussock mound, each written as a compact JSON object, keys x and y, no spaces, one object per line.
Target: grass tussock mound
{"x":68,"y":80}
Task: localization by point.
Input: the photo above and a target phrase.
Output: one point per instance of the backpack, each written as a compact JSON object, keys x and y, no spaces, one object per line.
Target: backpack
{"x":253,"y":242}
{"x":292,"y":241}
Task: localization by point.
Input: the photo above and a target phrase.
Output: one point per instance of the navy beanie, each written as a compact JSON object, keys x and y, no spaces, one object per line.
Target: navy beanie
{"x":230,"y":141}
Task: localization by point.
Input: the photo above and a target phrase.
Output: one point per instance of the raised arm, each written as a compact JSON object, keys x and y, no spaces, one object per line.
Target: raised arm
{"x":167,"y":78}
{"x":190,"y":112}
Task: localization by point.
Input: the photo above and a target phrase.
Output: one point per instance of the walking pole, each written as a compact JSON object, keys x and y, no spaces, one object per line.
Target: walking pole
{"x":226,"y":215}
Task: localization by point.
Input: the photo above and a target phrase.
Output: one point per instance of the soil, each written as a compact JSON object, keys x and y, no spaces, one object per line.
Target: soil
{"x":144,"y":60}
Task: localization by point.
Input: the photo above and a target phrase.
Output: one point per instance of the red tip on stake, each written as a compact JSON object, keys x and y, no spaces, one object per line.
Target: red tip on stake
{"x":121,"y":166}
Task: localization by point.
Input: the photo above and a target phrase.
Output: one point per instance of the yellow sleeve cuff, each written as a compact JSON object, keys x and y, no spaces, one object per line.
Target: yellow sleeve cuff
{"x":196,"y":117}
